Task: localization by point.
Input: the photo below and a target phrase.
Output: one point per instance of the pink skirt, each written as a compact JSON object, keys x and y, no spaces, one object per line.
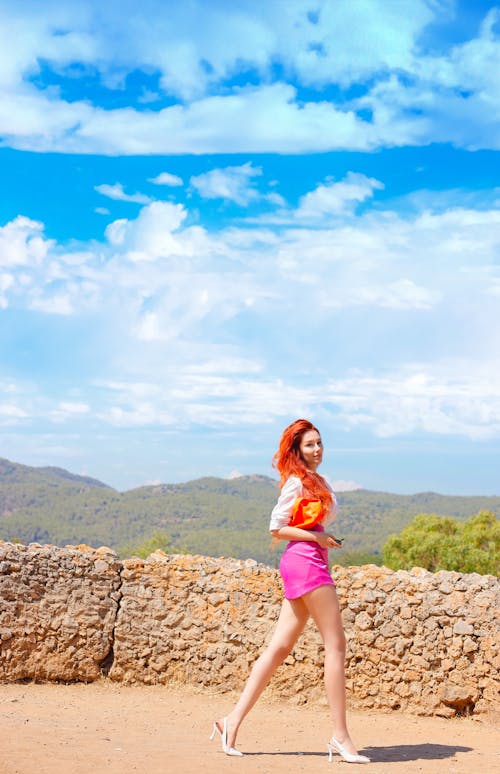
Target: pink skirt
{"x":304,"y":567}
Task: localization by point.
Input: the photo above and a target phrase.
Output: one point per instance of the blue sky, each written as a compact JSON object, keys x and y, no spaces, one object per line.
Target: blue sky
{"x":218,"y":217}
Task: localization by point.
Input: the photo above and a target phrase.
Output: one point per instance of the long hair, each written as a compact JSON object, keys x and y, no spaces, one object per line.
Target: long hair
{"x":288,"y":462}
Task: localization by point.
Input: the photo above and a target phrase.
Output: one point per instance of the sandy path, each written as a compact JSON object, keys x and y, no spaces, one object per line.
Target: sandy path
{"x":105,"y":727}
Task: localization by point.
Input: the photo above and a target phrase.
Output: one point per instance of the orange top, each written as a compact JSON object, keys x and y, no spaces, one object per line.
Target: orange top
{"x":306,"y":513}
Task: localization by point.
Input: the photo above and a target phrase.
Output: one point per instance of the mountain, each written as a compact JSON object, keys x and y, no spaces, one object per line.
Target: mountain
{"x":212,"y":516}
{"x":14,"y":473}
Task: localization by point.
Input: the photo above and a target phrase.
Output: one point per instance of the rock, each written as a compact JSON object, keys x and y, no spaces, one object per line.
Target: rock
{"x":363,"y":621}
{"x":458,"y":696}
{"x":469,"y":645}
{"x":461,"y":627}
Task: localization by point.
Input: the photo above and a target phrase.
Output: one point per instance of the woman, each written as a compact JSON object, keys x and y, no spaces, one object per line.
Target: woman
{"x":309,"y":588}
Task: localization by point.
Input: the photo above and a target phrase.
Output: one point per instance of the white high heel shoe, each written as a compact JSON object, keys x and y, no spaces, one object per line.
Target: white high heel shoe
{"x":335,"y":746}
{"x":223,"y":739}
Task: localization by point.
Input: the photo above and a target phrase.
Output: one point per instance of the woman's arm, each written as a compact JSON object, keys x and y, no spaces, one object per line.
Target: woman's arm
{"x":282,"y":511}
{"x":324,"y":539}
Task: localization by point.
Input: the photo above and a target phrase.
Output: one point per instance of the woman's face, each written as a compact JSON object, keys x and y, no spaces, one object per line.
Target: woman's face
{"x":311,"y":449}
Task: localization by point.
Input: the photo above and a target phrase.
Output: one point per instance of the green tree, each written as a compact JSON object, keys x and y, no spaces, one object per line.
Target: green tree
{"x":157,"y":541}
{"x":480,"y":544}
{"x":442,"y":543}
{"x":355,"y":558}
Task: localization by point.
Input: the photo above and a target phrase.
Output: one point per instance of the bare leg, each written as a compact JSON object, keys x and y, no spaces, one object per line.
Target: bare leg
{"x":323,"y":606}
{"x":292,"y":619}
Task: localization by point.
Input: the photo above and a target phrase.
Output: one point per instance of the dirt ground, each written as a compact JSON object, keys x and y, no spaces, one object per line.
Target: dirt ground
{"x":106,"y":727}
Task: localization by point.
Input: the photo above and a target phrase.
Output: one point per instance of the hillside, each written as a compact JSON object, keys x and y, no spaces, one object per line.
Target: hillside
{"x":15,"y":473}
{"x":216,"y":517}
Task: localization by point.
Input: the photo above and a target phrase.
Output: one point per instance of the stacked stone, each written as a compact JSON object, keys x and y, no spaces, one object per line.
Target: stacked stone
{"x":192,"y":619}
{"x":57,"y":611}
{"x":421,"y":641}
{"x":416,"y":641}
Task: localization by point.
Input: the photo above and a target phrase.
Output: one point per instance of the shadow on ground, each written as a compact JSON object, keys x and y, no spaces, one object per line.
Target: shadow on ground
{"x":413,"y":752}
{"x":393,"y":754}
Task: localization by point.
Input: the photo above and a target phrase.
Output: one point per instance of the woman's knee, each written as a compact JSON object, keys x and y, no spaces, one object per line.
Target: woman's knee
{"x":336,"y":645}
{"x":280,"y":652}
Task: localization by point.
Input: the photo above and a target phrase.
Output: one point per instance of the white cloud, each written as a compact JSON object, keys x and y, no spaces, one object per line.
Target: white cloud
{"x":11,"y":414}
{"x":29,"y":34}
{"x":6,"y":280}
{"x":422,"y":262}
{"x":255,"y":119}
{"x":198,"y":45}
{"x":449,"y":98}
{"x":74,"y":407}
{"x":385,"y":258}
{"x":137,"y":390}
{"x":149,"y":328}
{"x":226,"y":365}
{"x":203,"y":310}
{"x":232,"y":183}
{"x":417,"y":399}
{"x":157,"y":232}
{"x":24,"y":251}
{"x":52,"y":304}
{"x":69,"y":411}
{"x":338,"y":198}
{"x":166,"y":178}
{"x":180,"y":282}
{"x":345,"y":486}
{"x":415,"y":97}
{"x":116,"y":192}
{"x":455,"y":398}
{"x":22,"y":243}
{"x":353,"y":41}
{"x":140,"y":415}
{"x":469,"y":65}
{"x":402,"y":294}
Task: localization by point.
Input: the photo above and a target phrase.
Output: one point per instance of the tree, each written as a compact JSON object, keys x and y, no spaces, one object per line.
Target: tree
{"x":157,"y":541}
{"x":442,"y":543}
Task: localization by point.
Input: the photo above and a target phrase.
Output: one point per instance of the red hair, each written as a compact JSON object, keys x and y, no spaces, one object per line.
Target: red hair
{"x":288,"y":461}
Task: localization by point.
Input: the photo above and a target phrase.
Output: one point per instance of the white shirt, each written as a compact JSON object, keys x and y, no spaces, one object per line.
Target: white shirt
{"x":292,"y":490}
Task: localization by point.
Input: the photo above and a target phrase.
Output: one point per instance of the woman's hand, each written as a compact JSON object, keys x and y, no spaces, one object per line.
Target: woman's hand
{"x":327,"y":540}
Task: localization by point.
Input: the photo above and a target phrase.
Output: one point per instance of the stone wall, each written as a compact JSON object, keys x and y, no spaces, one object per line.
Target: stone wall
{"x":417,"y":641}
{"x":57,"y":611}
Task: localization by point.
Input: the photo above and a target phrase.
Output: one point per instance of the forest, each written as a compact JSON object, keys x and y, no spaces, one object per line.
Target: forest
{"x":211,"y":516}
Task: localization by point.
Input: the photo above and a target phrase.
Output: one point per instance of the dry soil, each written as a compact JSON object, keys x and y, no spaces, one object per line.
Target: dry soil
{"x":111,"y":728}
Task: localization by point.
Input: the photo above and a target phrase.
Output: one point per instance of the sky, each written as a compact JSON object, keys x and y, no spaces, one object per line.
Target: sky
{"x":218,"y":217}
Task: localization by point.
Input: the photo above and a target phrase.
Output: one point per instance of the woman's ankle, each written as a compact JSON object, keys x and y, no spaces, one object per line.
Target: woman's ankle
{"x":341,"y":735}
